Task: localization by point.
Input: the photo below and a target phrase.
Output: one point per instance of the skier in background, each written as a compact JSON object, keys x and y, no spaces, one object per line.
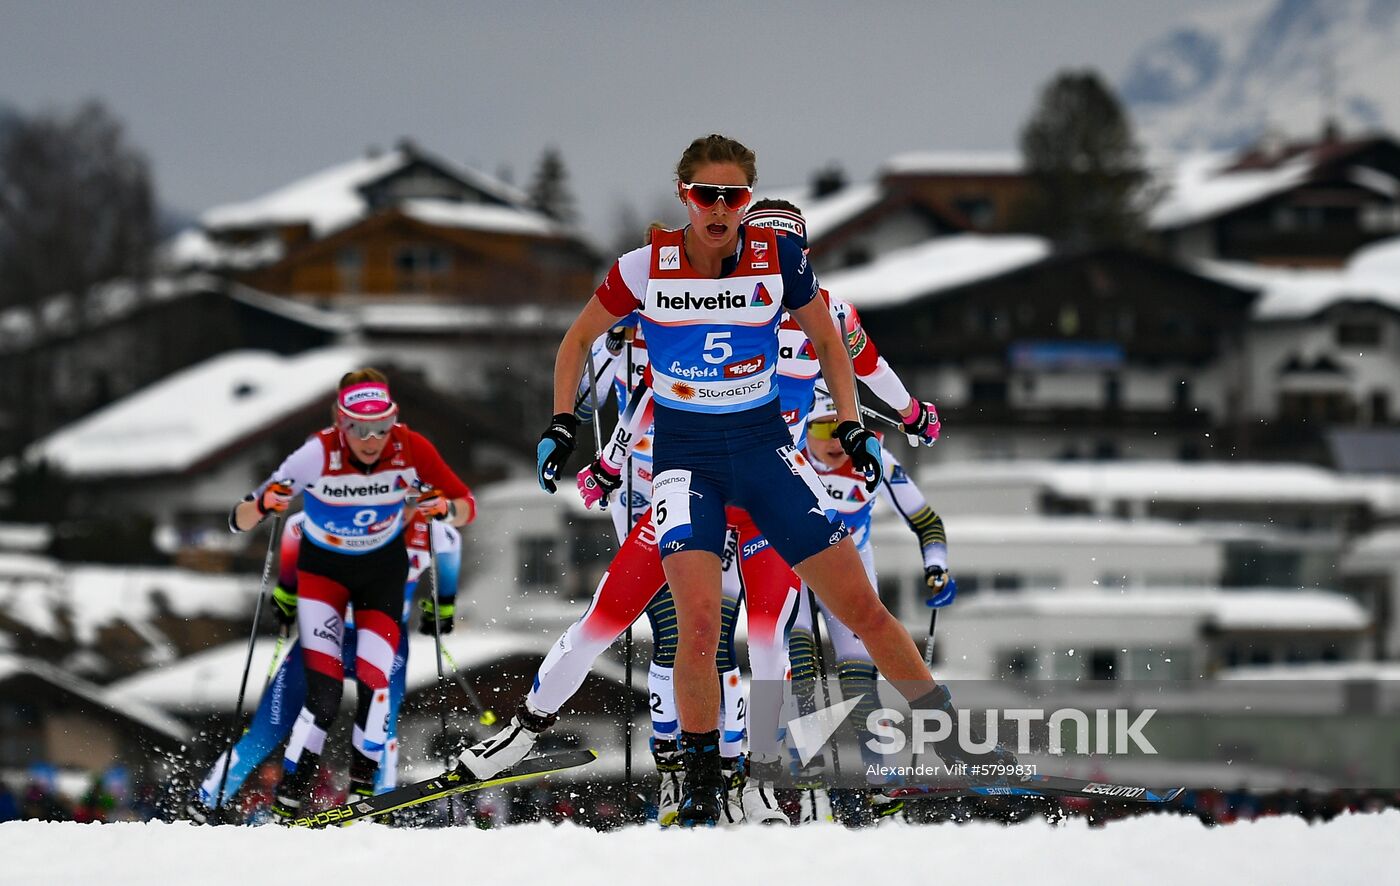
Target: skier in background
{"x":357,"y":476}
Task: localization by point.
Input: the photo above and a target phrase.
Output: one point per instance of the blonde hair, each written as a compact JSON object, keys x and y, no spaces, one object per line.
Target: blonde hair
{"x":716,"y":148}
{"x":355,"y":377}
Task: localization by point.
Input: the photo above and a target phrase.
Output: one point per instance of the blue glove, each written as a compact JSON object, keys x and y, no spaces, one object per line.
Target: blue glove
{"x":864,"y":450}
{"x":556,"y":445}
{"x":944,"y":592}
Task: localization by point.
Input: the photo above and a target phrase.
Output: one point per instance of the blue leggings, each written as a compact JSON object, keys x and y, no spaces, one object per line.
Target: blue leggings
{"x":278,"y":709}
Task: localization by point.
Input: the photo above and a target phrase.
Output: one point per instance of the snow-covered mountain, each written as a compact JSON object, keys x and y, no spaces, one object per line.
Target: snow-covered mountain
{"x":1242,"y":69}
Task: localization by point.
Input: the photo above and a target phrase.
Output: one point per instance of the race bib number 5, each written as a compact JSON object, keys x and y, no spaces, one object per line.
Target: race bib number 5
{"x":670,"y":509}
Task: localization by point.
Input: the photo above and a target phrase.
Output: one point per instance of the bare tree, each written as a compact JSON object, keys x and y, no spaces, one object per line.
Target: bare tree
{"x":76,"y":205}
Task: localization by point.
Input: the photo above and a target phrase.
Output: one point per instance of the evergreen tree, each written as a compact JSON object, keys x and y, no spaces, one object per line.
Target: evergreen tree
{"x":1088,"y":183}
{"x":549,"y":190}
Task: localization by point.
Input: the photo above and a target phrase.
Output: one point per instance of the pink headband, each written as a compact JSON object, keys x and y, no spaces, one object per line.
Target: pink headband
{"x":366,"y":400}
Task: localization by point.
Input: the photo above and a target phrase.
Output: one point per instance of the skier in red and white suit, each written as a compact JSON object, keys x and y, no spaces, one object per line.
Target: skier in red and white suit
{"x":356,"y":477}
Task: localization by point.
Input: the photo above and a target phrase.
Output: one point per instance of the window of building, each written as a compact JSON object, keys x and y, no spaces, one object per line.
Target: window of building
{"x":1361,"y":333}
{"x":984,"y":391}
{"x":891,"y":594}
{"x":1380,"y":218}
{"x":1380,"y":407}
{"x":421,"y":267}
{"x":979,"y":211}
{"x":1004,"y":582}
{"x":1069,"y":321}
{"x":856,"y":256}
{"x":349,"y":267}
{"x":1066,"y":664}
{"x":1015,"y":664}
{"x":1157,"y":664}
{"x":1181,"y":395}
{"x":1103,"y":664}
{"x":535,"y":563}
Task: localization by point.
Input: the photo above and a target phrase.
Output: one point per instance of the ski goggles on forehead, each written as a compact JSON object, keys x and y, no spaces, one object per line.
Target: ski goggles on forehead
{"x":367,"y":428}
{"x":735,"y":197}
{"x":822,"y":430}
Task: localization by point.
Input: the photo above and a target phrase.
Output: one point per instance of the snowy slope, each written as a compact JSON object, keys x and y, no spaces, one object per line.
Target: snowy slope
{"x":1356,"y":849}
{"x":1238,"y":69}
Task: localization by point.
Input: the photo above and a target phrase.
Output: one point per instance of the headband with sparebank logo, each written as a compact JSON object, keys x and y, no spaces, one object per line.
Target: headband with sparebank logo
{"x":366,"y":410}
{"x":784,"y":220}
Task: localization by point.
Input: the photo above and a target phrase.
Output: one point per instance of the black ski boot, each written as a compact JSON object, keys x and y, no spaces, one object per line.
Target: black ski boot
{"x":851,"y":807}
{"x":951,"y":751}
{"x":703,"y":801}
{"x":362,"y":772}
{"x":295,"y":788}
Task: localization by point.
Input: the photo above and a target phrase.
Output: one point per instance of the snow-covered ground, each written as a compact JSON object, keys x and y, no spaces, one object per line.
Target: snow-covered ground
{"x":1356,"y":849}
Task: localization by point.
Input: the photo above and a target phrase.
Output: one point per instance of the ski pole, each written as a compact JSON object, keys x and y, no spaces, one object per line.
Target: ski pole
{"x":821,"y":672}
{"x":485,"y":716}
{"x":928,"y":644}
{"x":627,"y":641}
{"x":283,"y":633}
{"x":877,"y":415}
{"x":933,"y":623}
{"x":248,"y":661}
{"x":437,"y":643}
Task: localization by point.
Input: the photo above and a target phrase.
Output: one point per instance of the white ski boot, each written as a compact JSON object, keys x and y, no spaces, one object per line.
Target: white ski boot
{"x":760,"y":798}
{"x":506,"y":748}
{"x":669,"y":766}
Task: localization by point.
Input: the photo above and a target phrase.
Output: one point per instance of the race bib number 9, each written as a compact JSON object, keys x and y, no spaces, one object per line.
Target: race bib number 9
{"x":671,"y":506}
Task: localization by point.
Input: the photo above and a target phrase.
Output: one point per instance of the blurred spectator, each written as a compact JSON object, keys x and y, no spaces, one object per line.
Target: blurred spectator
{"x":9,"y":806}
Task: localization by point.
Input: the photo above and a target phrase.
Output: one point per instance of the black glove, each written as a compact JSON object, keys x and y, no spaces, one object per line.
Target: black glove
{"x":284,"y":606}
{"x":556,"y":445}
{"x":443,"y":613}
{"x":617,"y":337}
{"x":864,"y":449}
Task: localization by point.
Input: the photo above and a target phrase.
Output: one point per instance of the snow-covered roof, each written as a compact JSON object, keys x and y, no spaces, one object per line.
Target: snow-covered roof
{"x":1330,"y":671}
{"x":1032,"y":529}
{"x":942,"y":263}
{"x":1200,"y":187}
{"x":1253,"y":482}
{"x":480,"y":216}
{"x":1372,"y":274}
{"x":131,"y":709}
{"x":106,"y":302}
{"x":510,"y":493}
{"x":326,"y":200}
{"x":1382,"y":544}
{"x":827,"y":213}
{"x":208,"y":681}
{"x":954,"y":163}
{"x":348,"y":315}
{"x":193,"y":248}
{"x":1237,"y":610}
{"x":178,"y":421}
{"x":331,"y":199}
{"x":52,"y":599}
{"x":403,"y":316}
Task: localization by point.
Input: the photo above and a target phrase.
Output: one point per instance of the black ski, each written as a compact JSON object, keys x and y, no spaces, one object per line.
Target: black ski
{"x":445,"y":785}
{"x":1039,"y":786}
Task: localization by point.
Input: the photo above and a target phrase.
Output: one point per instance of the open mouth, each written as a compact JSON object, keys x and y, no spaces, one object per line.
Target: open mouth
{"x":717,"y":230}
